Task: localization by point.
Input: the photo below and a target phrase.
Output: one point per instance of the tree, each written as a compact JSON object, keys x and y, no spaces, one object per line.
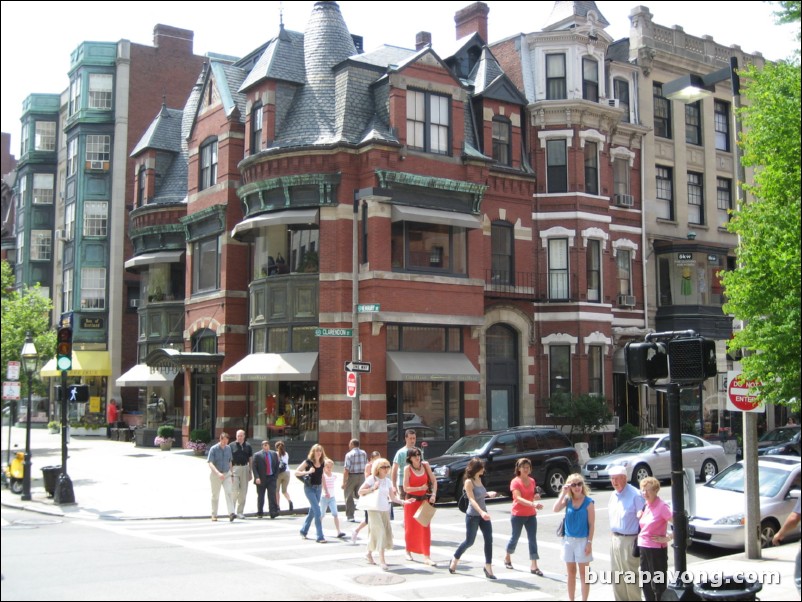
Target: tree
{"x":764,"y":291}
{"x":22,"y":312}
{"x":584,"y":413}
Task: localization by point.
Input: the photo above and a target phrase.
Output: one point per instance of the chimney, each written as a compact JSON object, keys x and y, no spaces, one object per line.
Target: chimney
{"x":174,"y":38}
{"x":472,"y":19}
{"x":422,"y":38}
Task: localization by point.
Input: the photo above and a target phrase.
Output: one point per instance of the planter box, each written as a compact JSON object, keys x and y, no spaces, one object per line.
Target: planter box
{"x":145,"y":438}
{"x":79,"y":431}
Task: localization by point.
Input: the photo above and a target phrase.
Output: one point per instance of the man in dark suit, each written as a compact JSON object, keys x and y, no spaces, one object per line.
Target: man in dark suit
{"x":265,"y":471}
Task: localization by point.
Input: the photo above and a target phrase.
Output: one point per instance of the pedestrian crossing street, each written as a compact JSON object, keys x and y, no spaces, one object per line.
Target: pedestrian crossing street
{"x":340,"y":567}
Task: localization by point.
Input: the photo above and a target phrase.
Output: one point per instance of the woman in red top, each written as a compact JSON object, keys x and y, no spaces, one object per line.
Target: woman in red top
{"x":524,"y":510}
{"x":420,"y":486}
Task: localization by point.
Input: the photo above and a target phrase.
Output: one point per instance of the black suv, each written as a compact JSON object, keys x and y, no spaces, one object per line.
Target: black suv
{"x":551,"y":453}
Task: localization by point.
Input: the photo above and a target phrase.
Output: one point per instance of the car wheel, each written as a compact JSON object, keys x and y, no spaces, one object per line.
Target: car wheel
{"x":768,"y":529}
{"x":640,"y":472}
{"x":709,"y":469}
{"x":555,"y":480}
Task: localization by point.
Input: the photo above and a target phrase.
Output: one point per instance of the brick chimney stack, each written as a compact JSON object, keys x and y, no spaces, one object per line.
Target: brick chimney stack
{"x":173,"y":37}
{"x":422,"y":38}
{"x":472,"y":19}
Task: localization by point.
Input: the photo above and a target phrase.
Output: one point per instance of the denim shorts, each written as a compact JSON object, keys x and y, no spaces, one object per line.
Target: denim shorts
{"x":574,"y":550}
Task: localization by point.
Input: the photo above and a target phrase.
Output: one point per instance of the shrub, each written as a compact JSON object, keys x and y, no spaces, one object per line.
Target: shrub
{"x":166,"y":431}
{"x":200,"y":435}
{"x":627,"y":432}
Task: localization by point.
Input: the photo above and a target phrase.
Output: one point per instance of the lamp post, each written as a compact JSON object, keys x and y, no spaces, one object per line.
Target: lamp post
{"x":30,"y":359}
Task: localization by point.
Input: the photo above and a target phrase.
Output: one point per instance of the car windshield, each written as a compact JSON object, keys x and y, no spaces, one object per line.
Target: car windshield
{"x":780,"y":435}
{"x":469,"y":446}
{"x":638,"y":445}
{"x":770,"y":479}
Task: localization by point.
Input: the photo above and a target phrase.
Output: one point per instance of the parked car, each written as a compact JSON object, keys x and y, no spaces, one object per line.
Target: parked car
{"x":721,"y":505}
{"x":422,"y":432}
{"x":649,"y":456}
{"x":782,"y":440}
{"x":550,"y":451}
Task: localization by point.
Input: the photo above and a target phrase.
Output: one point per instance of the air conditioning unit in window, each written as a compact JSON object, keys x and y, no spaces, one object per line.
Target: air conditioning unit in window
{"x":96,"y":165}
{"x":610,"y":102}
{"x":133,"y":303}
{"x":626,"y":300}
{"x":623,"y":200}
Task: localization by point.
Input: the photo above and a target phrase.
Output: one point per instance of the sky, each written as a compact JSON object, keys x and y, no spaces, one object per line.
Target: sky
{"x":38,"y":37}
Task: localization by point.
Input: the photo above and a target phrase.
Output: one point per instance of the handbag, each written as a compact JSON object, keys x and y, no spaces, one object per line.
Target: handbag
{"x":425,"y":513}
{"x":281,"y":466}
{"x":305,"y":479}
{"x":635,"y":548}
{"x":368,"y":502}
{"x":561,"y":528}
{"x":463,"y":503}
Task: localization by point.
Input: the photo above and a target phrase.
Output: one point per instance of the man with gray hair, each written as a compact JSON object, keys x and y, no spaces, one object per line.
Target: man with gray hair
{"x":353,"y":477}
{"x":219,"y":460}
{"x":623,"y":508}
{"x":242,"y":458}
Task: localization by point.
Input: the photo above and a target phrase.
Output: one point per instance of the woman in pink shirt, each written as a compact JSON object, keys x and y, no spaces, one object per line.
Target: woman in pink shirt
{"x":524,"y":510}
{"x":653,"y":539}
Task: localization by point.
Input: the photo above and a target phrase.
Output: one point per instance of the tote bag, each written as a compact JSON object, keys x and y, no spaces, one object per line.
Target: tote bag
{"x":368,"y":501}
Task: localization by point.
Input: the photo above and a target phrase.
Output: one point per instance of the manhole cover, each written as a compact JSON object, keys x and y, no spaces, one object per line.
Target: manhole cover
{"x":38,"y":522}
{"x":380,"y":579}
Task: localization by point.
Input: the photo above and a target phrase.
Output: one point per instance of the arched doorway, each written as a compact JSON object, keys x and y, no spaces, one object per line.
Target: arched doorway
{"x":502,"y":363}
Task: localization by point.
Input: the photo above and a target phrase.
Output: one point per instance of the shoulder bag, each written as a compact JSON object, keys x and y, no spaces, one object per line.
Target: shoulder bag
{"x":463,"y":502}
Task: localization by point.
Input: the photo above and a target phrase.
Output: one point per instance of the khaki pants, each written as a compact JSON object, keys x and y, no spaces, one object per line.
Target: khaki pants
{"x":217,"y":483}
{"x":622,"y":559}
{"x":239,"y":489}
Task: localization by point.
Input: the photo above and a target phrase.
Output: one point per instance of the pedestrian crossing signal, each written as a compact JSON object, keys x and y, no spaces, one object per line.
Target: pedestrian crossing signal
{"x":64,"y":349}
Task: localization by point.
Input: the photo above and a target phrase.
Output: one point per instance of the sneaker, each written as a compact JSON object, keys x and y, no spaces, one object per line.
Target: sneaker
{"x":341,"y":535}
{"x":242,"y":516}
{"x":354,"y":537}
{"x":214,"y":518}
{"x":231,"y":517}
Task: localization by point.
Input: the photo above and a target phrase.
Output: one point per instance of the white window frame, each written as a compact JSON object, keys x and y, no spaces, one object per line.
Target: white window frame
{"x":43,"y":188}
{"x":696,"y":198}
{"x":96,"y":218}
{"x":559,"y":269}
{"x":75,"y":95}
{"x":101,"y":91}
{"x":429,"y":122}
{"x":67,"y":289}
{"x":665,"y":203}
{"x":45,"y":136}
{"x":69,"y":221}
{"x":98,"y":148}
{"x":41,"y":245}
{"x":72,"y":156}
{"x":208,"y":165}
{"x":93,"y":288}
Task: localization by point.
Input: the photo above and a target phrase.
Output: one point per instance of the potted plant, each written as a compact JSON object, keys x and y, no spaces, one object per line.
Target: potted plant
{"x":165,"y":437}
{"x":54,"y":426}
{"x":310,"y":262}
{"x":198,"y":441}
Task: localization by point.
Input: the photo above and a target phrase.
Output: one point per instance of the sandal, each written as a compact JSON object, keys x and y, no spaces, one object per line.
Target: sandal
{"x":508,"y":563}
{"x":537,"y":572}
{"x":409,"y":556}
{"x":369,"y":558}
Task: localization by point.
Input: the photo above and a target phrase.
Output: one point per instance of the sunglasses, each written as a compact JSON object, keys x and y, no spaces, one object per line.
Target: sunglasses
{"x":385,"y":466}
{"x":576,"y":484}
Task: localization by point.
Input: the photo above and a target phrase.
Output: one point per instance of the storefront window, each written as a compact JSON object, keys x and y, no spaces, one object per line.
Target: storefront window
{"x":287,"y":410}
{"x":690,"y":278}
{"x":431,"y":408}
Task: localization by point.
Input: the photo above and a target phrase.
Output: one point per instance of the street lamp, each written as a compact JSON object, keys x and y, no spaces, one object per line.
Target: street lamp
{"x":30,"y":360}
{"x":690,"y":88}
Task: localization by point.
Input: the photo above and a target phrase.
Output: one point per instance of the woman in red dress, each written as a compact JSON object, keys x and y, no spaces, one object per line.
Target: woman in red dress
{"x":420,"y":486}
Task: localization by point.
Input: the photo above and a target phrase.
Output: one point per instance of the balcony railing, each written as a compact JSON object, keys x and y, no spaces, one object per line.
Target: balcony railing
{"x":509,"y":285}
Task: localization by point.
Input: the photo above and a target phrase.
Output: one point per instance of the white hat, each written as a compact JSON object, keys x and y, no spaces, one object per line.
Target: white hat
{"x":617,"y":471}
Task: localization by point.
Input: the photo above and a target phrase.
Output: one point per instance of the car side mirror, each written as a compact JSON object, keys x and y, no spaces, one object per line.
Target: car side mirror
{"x":794,"y":494}
{"x":494,"y":452}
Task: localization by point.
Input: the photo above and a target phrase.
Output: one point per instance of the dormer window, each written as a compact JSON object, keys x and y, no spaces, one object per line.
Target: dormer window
{"x":428,"y":122}
{"x":501,"y":140}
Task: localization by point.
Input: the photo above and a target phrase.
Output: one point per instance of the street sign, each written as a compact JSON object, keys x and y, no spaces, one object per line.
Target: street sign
{"x":367,"y":308}
{"x":350,"y":384}
{"x":11,"y":390}
{"x":12,"y":372}
{"x":334,"y":332}
{"x":741,"y":396}
{"x":354,"y":366}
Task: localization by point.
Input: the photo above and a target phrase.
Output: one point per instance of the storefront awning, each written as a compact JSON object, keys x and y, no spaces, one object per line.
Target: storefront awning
{"x":84,"y":363}
{"x":408,"y":365}
{"x":136,"y":263}
{"x":143,"y":375}
{"x":273,"y":366}
{"x":403,"y":213}
{"x":280,"y":218}
{"x":173,"y":359}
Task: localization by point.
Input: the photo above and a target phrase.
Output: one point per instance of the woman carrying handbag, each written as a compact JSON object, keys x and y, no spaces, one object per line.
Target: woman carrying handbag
{"x":377,"y":491}
{"x":420,"y":486}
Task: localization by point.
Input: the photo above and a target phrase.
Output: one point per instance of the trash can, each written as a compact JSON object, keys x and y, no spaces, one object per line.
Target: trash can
{"x":50,"y":475}
{"x":728,"y":588}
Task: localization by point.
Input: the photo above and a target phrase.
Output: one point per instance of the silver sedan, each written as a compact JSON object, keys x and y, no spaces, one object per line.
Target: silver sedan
{"x":649,"y":456}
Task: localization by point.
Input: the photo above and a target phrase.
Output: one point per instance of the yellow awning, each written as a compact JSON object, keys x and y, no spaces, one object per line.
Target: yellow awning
{"x":84,"y":363}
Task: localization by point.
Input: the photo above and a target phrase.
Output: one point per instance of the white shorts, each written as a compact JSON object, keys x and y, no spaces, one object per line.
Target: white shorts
{"x":574,"y":550}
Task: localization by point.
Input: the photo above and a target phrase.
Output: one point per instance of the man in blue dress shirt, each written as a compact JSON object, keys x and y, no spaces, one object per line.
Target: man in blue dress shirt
{"x":624,"y":505}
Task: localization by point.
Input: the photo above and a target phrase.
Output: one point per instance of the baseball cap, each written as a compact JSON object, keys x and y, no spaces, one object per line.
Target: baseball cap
{"x":617,"y":471}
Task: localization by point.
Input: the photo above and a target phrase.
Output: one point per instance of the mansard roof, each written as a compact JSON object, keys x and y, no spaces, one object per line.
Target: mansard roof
{"x":282,"y":59}
{"x":164,"y":132}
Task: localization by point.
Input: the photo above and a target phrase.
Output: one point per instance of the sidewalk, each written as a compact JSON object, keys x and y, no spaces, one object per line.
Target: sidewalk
{"x":113,"y":480}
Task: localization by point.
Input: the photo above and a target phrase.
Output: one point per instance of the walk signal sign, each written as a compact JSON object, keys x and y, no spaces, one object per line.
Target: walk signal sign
{"x":64,"y":349}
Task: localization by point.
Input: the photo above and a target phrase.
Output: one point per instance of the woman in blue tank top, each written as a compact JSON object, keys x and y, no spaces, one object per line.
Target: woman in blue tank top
{"x":580,"y":522}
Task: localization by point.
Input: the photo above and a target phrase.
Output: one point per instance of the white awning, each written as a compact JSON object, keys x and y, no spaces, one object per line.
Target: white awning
{"x":403,"y":213}
{"x":143,"y":375}
{"x":279,"y":218}
{"x":151,"y":258}
{"x":273,"y":366}
{"x":408,"y":365}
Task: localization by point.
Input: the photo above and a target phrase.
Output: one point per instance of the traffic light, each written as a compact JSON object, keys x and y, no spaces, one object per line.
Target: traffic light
{"x":64,"y":349}
{"x":647,"y":363}
{"x":683,"y":361}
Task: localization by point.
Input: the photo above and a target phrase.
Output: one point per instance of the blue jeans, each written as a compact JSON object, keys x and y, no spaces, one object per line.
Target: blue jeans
{"x":312,"y":493}
{"x":472,"y":524}
{"x":518,"y":523}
